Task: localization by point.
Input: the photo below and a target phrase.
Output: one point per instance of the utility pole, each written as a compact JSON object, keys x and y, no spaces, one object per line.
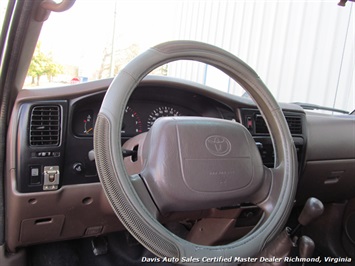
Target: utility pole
{"x":112,"y":61}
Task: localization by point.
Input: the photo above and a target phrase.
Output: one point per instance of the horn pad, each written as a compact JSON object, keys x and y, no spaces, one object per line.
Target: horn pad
{"x":197,"y":163}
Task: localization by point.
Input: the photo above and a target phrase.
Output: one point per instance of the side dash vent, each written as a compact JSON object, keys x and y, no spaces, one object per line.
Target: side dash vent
{"x":260,"y":125}
{"x":45,"y":126}
{"x":294,"y":124}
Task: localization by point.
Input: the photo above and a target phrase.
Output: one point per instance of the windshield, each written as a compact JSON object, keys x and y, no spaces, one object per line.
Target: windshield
{"x":302,"y":50}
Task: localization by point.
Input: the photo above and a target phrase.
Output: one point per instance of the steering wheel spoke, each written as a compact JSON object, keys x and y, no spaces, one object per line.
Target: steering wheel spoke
{"x":271,"y":189}
{"x":144,"y":196}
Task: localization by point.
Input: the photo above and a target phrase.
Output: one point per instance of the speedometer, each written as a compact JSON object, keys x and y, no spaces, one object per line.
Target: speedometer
{"x":161,"y":112}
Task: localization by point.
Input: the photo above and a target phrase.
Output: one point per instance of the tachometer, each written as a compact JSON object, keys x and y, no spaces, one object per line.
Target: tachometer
{"x":161,"y":112}
{"x":132,"y":124}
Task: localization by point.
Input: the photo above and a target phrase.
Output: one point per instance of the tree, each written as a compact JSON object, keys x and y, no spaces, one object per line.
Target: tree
{"x":43,"y":64}
{"x":120,"y":59}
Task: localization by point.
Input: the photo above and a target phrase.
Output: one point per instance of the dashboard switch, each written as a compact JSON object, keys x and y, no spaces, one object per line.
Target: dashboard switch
{"x":78,"y":168}
{"x":35,"y":176}
{"x":34,"y":171}
{"x":51,"y":177}
{"x":249,"y":122}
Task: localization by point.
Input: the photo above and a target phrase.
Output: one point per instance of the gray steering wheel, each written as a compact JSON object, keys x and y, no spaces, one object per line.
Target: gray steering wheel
{"x":221,"y":167}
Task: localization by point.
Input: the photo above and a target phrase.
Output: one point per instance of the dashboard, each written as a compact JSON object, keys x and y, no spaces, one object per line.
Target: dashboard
{"x":54,"y":189}
{"x":144,"y":108}
{"x":59,"y":133}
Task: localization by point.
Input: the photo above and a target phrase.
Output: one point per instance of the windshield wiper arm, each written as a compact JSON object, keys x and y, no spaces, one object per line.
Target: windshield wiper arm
{"x":310,"y":106}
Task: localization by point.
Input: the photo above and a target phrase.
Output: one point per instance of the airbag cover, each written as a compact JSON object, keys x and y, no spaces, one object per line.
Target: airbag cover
{"x":193,"y":163}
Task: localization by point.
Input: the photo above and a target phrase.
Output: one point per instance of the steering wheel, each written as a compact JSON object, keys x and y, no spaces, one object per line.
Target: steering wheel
{"x":195,"y":163}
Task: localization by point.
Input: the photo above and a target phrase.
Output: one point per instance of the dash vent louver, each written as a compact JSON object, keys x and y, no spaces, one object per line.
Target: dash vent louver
{"x":45,"y":125}
{"x":260,"y":125}
{"x":294,"y":124}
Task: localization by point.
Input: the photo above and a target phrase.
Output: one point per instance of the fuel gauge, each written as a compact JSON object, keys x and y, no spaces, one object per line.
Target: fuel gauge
{"x":88,"y":124}
{"x":83,"y":123}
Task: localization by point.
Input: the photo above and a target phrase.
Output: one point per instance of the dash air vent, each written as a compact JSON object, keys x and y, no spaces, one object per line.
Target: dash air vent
{"x":45,"y":126}
{"x":294,"y":124}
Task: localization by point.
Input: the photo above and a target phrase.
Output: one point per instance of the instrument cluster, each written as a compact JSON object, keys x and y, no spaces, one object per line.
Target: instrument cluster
{"x":146,"y":105}
{"x":139,"y":117}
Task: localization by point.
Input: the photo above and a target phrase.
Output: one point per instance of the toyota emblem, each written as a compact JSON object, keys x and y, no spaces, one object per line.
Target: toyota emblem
{"x":218,"y":145}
